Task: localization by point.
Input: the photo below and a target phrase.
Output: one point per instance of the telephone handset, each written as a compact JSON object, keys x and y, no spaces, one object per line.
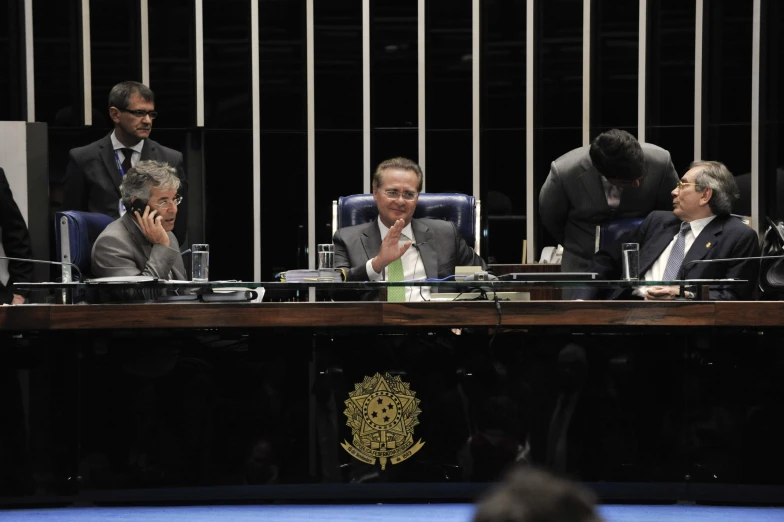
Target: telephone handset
{"x":139,"y":205}
{"x":551,"y":255}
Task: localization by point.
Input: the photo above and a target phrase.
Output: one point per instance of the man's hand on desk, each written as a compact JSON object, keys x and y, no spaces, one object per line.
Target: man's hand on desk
{"x":390,"y":250}
{"x":151,"y":226}
{"x":665,"y":293}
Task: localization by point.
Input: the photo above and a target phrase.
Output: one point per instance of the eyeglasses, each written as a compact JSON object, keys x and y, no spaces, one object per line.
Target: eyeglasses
{"x":140,"y":113}
{"x":681,"y":184}
{"x":166,"y":203}
{"x":407,"y":195}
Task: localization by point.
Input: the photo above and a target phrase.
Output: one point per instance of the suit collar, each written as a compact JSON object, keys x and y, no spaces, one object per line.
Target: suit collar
{"x":660,"y":239}
{"x":136,"y":234}
{"x":426,"y":246}
{"x":705,"y":241}
{"x":592,"y":181}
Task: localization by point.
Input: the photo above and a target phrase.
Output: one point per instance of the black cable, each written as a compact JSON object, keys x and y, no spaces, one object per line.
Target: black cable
{"x":498,"y":324}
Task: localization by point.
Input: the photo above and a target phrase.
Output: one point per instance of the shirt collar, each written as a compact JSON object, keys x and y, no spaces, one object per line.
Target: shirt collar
{"x":407,"y":231}
{"x":698,"y":224}
{"x":117,"y":145}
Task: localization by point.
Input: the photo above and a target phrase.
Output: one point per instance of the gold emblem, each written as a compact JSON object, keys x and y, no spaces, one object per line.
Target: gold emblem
{"x":707,"y":245}
{"x":382,"y":413}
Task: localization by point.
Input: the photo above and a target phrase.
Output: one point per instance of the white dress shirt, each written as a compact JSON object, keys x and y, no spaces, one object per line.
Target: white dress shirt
{"x":135,"y":157}
{"x":612,"y":193}
{"x":656,"y":272}
{"x":413,"y":266}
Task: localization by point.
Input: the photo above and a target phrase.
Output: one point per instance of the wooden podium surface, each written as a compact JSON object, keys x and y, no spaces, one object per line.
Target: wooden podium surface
{"x":379,"y":314}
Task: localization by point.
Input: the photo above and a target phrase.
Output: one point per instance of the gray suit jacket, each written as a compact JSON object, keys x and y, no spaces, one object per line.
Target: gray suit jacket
{"x":122,"y":250}
{"x":92,"y":179}
{"x":440,"y":246}
{"x":572,"y":201}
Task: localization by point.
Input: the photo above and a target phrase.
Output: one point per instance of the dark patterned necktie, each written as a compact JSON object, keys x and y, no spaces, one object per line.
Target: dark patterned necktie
{"x":676,"y":255}
{"x":126,"y":163}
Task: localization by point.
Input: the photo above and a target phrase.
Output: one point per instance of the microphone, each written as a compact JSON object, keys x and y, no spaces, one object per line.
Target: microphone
{"x":58,"y":263}
{"x":726,"y":259}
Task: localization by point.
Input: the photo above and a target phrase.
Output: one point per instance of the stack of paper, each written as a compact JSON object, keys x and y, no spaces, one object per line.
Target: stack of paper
{"x":325,"y":275}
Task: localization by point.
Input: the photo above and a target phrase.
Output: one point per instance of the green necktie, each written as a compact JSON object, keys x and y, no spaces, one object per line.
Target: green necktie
{"x":395,"y":273}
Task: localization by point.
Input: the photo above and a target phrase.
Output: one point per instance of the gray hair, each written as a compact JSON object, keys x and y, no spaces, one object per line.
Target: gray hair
{"x":400,"y":164}
{"x":145,"y":176}
{"x":120,"y":95}
{"x":716,"y":176}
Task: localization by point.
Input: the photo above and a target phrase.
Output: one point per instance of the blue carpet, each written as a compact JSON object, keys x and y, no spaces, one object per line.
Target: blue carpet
{"x":371,"y":513}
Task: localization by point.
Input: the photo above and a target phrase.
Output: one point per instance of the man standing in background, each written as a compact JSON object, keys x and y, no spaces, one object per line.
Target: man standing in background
{"x":95,"y":171}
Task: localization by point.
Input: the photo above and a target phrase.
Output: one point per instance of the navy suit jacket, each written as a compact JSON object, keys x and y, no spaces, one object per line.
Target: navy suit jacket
{"x":724,"y":237}
{"x":92,"y":179}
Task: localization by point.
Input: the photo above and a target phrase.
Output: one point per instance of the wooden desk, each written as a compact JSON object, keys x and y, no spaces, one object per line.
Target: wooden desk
{"x":379,"y":314}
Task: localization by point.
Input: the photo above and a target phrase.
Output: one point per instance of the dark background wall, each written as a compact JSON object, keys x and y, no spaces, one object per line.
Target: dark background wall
{"x":220,"y":157}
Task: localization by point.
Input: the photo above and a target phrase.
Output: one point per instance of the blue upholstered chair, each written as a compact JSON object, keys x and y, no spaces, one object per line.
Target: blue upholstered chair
{"x":460,"y":209}
{"x":75,"y":234}
{"x":611,"y":231}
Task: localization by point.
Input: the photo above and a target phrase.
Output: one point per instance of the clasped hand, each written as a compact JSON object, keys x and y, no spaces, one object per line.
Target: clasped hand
{"x":151,"y":226}
{"x":390,"y":248}
{"x":662,"y":293}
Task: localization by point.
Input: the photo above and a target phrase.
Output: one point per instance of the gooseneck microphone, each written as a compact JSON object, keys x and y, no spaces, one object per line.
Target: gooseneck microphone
{"x":727,"y":259}
{"x":41,"y":261}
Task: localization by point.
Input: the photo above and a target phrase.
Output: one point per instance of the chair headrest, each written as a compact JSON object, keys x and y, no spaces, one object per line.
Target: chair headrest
{"x":83,"y":229}
{"x":460,"y":209}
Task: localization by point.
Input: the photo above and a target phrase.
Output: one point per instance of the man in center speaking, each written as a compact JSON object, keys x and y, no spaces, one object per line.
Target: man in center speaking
{"x":396,"y":247}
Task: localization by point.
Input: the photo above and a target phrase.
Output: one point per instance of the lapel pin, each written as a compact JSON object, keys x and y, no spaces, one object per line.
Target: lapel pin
{"x":708,"y":244}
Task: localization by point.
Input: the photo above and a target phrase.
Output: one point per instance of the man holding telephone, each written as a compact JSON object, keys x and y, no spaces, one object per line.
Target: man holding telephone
{"x":141,"y":242}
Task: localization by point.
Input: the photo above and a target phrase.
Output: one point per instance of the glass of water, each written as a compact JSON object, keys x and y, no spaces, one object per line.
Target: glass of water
{"x":630,"y":258}
{"x":200,"y":263}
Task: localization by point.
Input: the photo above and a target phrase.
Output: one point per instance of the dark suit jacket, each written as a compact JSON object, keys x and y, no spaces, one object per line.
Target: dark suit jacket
{"x":92,"y":179}
{"x":724,"y":237}
{"x":122,"y":250}
{"x":15,"y":240}
{"x":442,"y":248}
{"x":572,"y":201}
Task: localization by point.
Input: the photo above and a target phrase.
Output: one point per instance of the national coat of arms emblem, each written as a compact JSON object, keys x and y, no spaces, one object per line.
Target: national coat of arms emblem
{"x":382,"y":413}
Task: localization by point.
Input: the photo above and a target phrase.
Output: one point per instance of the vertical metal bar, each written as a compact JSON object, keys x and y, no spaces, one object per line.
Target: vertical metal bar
{"x":475,"y":86}
{"x":422,"y":123}
{"x":311,"y":116}
{"x":586,"y":72}
{"x":256,"y":123}
{"x":87,"y":74}
{"x":199,"y":29}
{"x":29,"y":61}
{"x":366,"y":95}
{"x":144,"y":25}
{"x":530,"y":202}
{"x":641,"y":69}
{"x":755,"y":113}
{"x":698,"y":21}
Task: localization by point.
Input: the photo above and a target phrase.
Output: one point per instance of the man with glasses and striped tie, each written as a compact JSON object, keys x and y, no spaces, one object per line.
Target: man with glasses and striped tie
{"x":95,"y":171}
{"x":699,"y":228}
{"x":396,"y":247}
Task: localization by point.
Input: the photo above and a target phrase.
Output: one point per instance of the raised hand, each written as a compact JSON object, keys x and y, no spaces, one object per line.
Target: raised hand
{"x":390,"y":248}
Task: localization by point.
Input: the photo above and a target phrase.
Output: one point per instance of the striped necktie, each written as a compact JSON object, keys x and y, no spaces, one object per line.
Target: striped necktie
{"x":677,"y":254}
{"x":395,"y":273}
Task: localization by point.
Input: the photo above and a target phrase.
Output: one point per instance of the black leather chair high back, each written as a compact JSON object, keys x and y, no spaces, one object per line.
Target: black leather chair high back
{"x":460,"y":209}
{"x":611,"y":231}
{"x":75,"y":234}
